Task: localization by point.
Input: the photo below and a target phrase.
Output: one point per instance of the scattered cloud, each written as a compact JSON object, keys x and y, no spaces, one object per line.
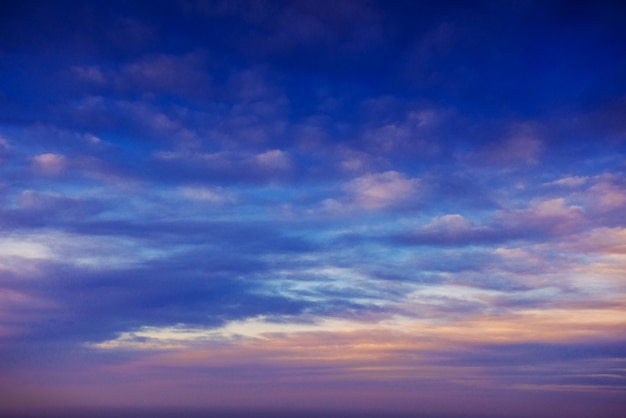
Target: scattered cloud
{"x":206,"y":194}
{"x":49,"y":163}
{"x":520,"y":145}
{"x":277,"y":204}
{"x":183,"y":75}
{"x":572,"y":181}
{"x":91,"y":74}
{"x":273,"y":160}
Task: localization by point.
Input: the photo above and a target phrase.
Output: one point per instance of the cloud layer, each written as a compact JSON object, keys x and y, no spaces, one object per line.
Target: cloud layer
{"x":281,"y":206}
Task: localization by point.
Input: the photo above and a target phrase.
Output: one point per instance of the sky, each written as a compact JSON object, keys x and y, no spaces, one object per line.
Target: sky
{"x":313,"y":207}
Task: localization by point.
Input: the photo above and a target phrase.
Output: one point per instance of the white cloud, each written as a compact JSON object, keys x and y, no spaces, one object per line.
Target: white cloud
{"x":572,"y":181}
{"x":24,"y":248}
{"x":449,"y":224}
{"x":181,"y":336}
{"x":215,"y":195}
{"x":19,"y":250}
{"x":410,"y":134}
{"x":33,"y":199}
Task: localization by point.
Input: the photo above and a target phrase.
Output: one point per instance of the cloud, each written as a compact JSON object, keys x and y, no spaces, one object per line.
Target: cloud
{"x":459,"y":233}
{"x":182,"y":75}
{"x":90,"y":74}
{"x":448,"y":224}
{"x":571,"y":181}
{"x":474,"y":350}
{"x":206,"y":194}
{"x":49,"y":164}
{"x":273,"y":160}
{"x":251,"y":85}
{"x":376,"y":191}
{"x":541,"y":219}
{"x":604,"y":240}
{"x":293,"y":203}
{"x":416,"y":134}
{"x":552,"y":215}
{"x":355,"y":162}
{"x":271,"y":165}
{"x":76,"y":249}
{"x":373,"y":192}
{"x":98,"y":291}
{"x":152,"y":120}
{"x":522,"y":148}
{"x":603,"y":196}
{"x":606,"y":196}
{"x":260,"y":327}
{"x":32,"y":200}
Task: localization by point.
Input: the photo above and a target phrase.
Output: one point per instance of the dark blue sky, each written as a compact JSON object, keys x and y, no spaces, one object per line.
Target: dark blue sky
{"x":304,"y":205}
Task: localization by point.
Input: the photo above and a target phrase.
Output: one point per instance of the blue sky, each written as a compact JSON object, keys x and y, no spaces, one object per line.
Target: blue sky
{"x":296,"y":205}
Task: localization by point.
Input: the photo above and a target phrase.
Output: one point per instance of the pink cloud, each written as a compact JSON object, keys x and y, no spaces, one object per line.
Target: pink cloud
{"x":373,"y":192}
{"x":413,"y":133}
{"x":522,"y":145}
{"x":273,"y":160}
{"x":405,"y":366}
{"x":553,"y":215}
{"x":49,"y":163}
{"x":606,"y":196}
{"x":380,"y":190}
{"x":603,"y":240}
